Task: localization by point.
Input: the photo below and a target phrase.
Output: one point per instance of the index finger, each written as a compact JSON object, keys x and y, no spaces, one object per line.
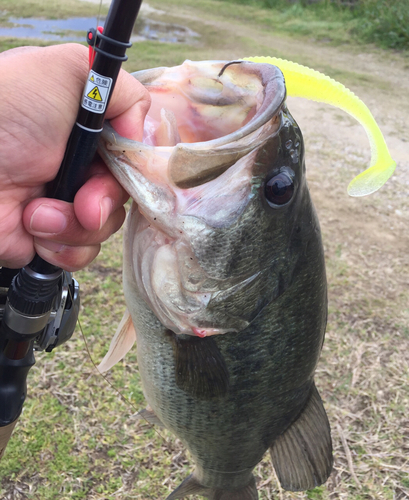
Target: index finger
{"x":128,"y":106}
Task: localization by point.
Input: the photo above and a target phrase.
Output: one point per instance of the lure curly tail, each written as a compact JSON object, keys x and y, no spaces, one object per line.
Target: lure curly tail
{"x":305,"y":82}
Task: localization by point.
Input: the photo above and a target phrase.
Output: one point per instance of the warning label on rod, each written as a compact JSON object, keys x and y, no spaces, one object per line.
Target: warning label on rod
{"x":96,"y":92}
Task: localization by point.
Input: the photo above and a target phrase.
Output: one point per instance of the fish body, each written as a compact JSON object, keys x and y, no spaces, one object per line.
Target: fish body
{"x":224,"y":276}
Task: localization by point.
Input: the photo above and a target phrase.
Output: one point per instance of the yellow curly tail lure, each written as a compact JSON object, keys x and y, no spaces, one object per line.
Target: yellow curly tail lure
{"x":305,"y":82}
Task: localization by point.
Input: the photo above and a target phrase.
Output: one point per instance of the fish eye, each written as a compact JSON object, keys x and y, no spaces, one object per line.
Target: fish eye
{"x":279,"y":189}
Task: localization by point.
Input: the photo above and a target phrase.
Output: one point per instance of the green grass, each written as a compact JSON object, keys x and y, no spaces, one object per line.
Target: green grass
{"x":316,"y":493}
{"x":50,"y":9}
{"x":384,"y":22}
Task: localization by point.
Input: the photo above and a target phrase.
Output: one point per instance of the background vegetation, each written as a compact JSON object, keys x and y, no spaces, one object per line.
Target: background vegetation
{"x":384,"y":22}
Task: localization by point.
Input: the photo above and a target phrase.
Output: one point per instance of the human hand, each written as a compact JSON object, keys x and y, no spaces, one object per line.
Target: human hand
{"x":40,"y":93}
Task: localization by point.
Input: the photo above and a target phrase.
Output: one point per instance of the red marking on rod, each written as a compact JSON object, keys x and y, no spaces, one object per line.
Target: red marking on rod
{"x":91,"y":48}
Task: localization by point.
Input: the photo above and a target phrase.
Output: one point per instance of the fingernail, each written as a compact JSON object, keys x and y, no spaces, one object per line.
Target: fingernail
{"x":50,"y":246}
{"x":47,"y":219}
{"x":105,"y":205}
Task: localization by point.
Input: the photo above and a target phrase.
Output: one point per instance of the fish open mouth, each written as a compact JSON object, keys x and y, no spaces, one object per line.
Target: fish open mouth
{"x":205,"y":116}
{"x":200,"y":102}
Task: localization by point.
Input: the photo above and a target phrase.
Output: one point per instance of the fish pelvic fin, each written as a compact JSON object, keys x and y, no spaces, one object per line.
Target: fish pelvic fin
{"x":200,"y":368}
{"x":191,"y":486}
{"x":302,"y":456}
{"x":124,"y":339}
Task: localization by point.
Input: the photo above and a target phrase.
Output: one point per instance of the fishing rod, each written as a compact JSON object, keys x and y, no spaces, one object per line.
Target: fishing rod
{"x":39,"y":303}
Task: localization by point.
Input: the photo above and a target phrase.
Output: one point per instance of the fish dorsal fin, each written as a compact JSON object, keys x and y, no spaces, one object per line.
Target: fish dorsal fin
{"x":167,"y":133}
{"x":302,"y":81}
{"x":302,"y":456}
{"x":124,"y":339}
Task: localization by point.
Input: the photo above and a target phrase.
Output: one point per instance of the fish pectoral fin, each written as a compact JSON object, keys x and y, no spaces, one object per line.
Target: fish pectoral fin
{"x":200,"y":368}
{"x":302,"y":456}
{"x":124,"y":339}
{"x":150,"y":416}
{"x":191,"y":486}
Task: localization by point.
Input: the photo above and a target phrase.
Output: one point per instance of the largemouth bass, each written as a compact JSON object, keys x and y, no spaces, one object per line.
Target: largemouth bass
{"x":224,"y":277}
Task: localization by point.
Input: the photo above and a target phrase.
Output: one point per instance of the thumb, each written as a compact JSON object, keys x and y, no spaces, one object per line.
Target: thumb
{"x":128,"y":106}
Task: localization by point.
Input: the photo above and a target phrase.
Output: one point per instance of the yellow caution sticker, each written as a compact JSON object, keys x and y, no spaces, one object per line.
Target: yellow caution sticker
{"x":96,"y":92}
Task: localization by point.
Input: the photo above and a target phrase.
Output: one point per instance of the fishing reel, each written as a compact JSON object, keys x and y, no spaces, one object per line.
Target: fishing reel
{"x":38,"y":312}
{"x":62,"y":318}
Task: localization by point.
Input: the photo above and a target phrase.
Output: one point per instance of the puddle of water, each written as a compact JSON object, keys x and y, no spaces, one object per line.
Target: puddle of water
{"x":147,"y":29}
{"x":74,"y":30}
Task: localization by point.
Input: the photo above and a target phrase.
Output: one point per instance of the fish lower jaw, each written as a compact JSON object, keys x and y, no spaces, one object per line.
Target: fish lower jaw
{"x":162,"y":224}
